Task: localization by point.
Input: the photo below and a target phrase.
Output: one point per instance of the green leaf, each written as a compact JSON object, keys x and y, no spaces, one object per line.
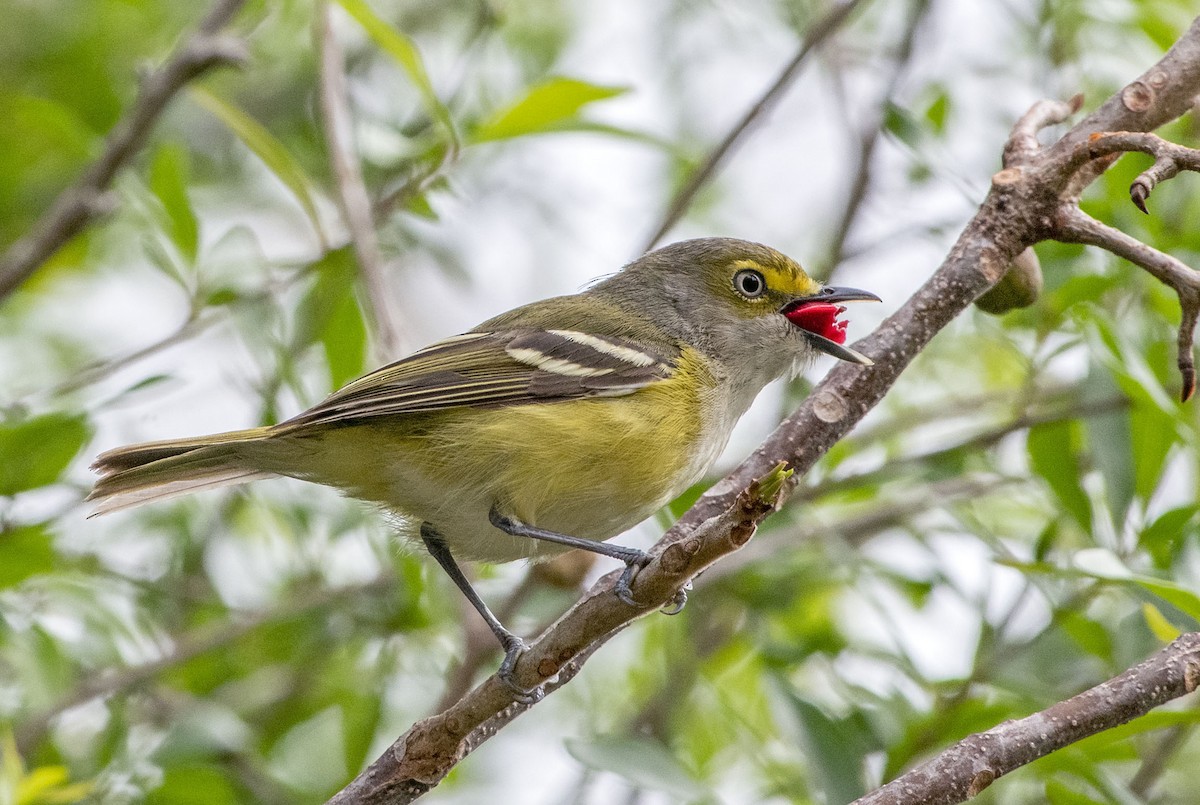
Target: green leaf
{"x":938,"y":110}
{"x":1162,"y":628}
{"x":48,"y":785}
{"x":332,"y":273}
{"x":25,"y":551}
{"x":1054,"y":455}
{"x":1046,"y":541}
{"x":193,"y":784}
{"x":1183,"y":599}
{"x":1165,"y":536}
{"x":34,"y":452}
{"x":1057,"y":793}
{"x":1111,"y":445}
{"x":168,"y":182}
{"x":547,"y":106}
{"x":267,"y":148}
{"x":1152,"y":434}
{"x":405,"y":52}
{"x":12,"y":768}
{"x":419,"y":206}
{"x":645,"y":763}
{"x":1090,"y":635}
{"x":900,"y":123}
{"x":344,"y":339}
{"x":1128,"y":366}
{"x":329,"y":314}
{"x":222,"y":296}
{"x":1157,"y":26}
{"x":168,"y":262}
{"x":1082,"y":288}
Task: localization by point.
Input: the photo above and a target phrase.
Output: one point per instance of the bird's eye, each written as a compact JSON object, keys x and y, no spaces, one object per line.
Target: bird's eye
{"x":749,"y":283}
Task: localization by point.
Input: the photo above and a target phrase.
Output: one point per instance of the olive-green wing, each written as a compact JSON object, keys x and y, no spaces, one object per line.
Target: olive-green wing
{"x":494,"y":369}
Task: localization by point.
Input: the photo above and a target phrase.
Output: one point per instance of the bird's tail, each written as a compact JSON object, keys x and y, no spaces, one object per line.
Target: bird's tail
{"x":141,"y":473}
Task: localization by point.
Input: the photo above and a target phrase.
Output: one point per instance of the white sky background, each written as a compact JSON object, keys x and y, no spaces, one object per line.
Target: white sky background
{"x":783,"y":187}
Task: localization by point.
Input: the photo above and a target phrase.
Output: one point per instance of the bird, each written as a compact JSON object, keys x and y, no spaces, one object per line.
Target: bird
{"x":559,"y":424}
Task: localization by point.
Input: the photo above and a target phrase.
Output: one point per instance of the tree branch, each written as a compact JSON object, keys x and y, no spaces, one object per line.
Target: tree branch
{"x":82,"y":202}
{"x":965,"y":769}
{"x":821,"y":30}
{"x":421,"y":757}
{"x":1019,"y":210}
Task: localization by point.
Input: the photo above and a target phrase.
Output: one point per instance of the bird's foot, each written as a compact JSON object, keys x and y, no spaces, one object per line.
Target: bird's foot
{"x":624,"y":589}
{"x":633,"y":563}
{"x":513,"y":649}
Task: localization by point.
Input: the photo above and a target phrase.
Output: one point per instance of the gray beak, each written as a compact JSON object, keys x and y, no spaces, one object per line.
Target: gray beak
{"x":837,"y":350}
{"x":833,"y":293}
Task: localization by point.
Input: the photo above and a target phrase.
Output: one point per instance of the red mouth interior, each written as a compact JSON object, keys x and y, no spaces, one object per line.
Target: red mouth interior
{"x":820,"y":318}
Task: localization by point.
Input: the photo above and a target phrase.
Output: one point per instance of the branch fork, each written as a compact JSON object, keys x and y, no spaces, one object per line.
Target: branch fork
{"x":1028,"y":166}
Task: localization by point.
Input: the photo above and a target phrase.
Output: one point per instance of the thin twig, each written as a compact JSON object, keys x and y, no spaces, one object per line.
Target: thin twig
{"x":964,"y":770}
{"x":1075,"y":226}
{"x":868,"y":140}
{"x":352,"y":194}
{"x":1023,"y":144}
{"x":1154,"y":762}
{"x":87,"y":198}
{"x":821,"y":30}
{"x":195,"y":324}
{"x":1169,"y":159}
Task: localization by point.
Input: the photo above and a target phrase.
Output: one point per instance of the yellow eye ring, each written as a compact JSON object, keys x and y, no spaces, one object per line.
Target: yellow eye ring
{"x":749,"y":283}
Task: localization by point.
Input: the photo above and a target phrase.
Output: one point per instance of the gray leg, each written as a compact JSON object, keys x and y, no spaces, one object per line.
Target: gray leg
{"x":513,"y":526}
{"x":513,"y":646}
{"x":634,"y":558}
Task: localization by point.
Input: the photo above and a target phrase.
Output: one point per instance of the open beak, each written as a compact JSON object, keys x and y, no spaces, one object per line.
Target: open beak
{"x":817,"y":316}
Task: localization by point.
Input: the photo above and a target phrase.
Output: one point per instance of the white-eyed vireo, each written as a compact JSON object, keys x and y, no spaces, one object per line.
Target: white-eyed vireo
{"x":556,"y":425}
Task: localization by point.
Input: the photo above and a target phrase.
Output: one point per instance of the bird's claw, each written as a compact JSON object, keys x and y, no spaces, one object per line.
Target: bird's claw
{"x":624,"y":589}
{"x":678,"y":602}
{"x":512,"y":652}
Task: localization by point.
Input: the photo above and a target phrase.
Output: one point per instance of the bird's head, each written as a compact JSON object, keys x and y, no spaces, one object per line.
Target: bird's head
{"x":749,"y":302}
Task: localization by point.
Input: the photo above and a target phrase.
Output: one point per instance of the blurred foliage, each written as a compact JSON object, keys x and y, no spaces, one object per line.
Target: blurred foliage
{"x":1018,"y":521}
